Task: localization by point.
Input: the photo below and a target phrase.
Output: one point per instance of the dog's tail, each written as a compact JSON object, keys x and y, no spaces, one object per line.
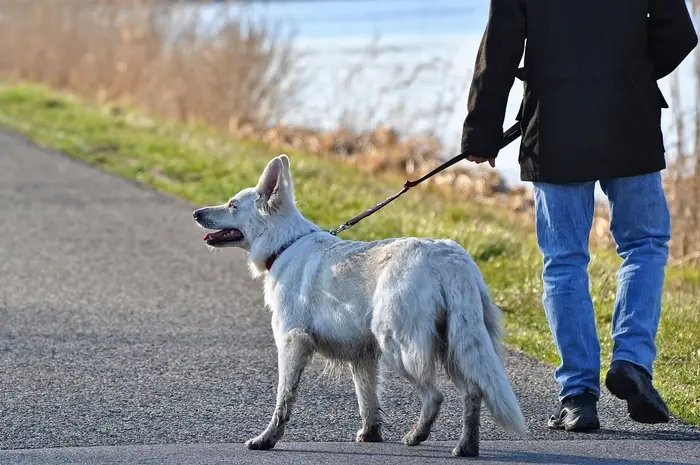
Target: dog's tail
{"x":473,"y":355}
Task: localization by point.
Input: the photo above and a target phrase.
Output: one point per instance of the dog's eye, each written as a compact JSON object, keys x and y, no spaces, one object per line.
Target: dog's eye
{"x":232,"y":205}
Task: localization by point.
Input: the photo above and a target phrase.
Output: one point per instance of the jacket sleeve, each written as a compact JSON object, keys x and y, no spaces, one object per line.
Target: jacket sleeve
{"x":497,"y":61}
{"x":671,"y":35}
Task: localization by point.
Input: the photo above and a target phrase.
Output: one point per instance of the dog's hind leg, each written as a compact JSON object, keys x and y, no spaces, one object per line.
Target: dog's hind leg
{"x":365,"y":376}
{"x":418,"y":367}
{"x":469,"y":442}
{"x":294,"y":352}
{"x":431,"y":399}
{"x":419,"y":370}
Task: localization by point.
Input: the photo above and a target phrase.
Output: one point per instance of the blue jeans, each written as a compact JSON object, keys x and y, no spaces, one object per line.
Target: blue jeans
{"x":640,"y":225}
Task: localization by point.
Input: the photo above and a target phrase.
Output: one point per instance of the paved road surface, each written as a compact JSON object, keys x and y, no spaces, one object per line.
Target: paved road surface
{"x":574,"y":452}
{"x":118,"y":327}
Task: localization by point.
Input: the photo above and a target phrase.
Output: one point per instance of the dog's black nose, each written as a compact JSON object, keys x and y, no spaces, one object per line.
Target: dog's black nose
{"x":196,"y":215}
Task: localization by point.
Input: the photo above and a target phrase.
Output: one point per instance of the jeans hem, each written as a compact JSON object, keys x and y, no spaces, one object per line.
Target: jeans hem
{"x":579,"y":391}
{"x":623,"y":358}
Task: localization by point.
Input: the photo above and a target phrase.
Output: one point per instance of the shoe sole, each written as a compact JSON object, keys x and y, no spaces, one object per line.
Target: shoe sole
{"x":641,"y":408}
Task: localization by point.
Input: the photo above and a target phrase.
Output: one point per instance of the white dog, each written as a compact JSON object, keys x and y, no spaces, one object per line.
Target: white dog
{"x":415,"y":302}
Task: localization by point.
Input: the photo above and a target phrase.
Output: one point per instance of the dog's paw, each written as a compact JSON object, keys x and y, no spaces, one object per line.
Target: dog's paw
{"x":260,"y":443}
{"x":372,"y":434}
{"x":415,"y":436}
{"x":465,"y":451}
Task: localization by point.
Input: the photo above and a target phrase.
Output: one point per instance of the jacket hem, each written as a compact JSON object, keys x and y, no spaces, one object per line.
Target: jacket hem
{"x":538,"y":176}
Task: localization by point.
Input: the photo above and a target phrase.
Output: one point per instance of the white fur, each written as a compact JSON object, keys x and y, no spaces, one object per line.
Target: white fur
{"x":417,"y":303}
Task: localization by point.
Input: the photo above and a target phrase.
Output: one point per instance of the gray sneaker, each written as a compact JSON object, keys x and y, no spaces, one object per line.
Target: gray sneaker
{"x":576,"y":413}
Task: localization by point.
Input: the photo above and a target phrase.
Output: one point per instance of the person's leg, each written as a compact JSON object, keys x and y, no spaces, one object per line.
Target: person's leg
{"x":640,"y":225}
{"x":564,"y":216}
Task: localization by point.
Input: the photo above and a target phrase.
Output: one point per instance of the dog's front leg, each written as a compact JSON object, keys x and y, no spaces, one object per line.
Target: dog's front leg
{"x":293,"y":353}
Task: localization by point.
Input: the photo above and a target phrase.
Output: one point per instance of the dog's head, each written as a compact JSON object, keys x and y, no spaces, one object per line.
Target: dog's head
{"x":247,"y":215}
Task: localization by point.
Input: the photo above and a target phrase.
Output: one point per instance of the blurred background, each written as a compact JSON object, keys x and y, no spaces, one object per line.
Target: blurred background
{"x":380,"y":83}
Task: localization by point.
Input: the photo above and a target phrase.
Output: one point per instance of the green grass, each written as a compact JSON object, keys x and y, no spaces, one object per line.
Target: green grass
{"x":206,"y":166}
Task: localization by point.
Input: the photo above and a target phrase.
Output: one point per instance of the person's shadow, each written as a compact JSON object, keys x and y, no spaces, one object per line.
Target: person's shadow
{"x":569,"y":459}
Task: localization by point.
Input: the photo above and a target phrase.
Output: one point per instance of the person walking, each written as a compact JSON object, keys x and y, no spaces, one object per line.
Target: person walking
{"x":591,"y":112}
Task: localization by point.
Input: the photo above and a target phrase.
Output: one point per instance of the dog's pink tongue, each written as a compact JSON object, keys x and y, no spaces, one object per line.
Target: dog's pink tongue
{"x":214,"y":235}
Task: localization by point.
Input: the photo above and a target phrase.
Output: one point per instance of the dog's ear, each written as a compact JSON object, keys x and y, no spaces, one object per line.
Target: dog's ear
{"x":271,"y":185}
{"x":287,"y":174}
{"x":285,"y":161}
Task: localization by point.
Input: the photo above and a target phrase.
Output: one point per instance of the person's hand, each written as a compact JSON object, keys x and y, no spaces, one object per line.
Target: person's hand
{"x":479,"y":160}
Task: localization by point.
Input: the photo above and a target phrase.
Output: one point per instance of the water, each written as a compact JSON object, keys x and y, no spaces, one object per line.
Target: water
{"x":335,"y":37}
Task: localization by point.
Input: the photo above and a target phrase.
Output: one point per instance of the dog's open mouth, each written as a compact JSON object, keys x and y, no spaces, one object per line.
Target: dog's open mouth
{"x":223,"y":237}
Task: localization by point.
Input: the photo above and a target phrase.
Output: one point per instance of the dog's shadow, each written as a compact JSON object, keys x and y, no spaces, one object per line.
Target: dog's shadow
{"x":388,"y":453}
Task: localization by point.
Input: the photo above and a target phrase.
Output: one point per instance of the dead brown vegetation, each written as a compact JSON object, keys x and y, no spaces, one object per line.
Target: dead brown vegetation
{"x":150,"y":54}
{"x":683,"y":180}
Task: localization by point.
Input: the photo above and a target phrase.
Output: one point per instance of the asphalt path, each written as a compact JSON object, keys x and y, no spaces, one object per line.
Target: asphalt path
{"x":119,"y":328}
{"x":574,"y":452}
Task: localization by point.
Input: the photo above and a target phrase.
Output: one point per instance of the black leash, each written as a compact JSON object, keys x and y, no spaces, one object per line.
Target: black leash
{"x":509,"y":136}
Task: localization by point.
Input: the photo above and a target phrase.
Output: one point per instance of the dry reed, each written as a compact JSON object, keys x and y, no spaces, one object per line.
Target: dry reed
{"x":152,"y":54}
{"x":683,"y":180}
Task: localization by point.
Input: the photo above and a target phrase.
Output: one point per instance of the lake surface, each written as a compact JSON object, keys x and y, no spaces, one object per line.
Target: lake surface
{"x":432,"y":44}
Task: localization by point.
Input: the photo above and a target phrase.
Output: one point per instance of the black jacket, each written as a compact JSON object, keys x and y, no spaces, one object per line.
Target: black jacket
{"x":591,"y":107}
